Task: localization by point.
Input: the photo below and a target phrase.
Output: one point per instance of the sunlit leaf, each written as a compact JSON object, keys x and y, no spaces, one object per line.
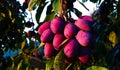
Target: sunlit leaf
{"x":32,"y":4}
{"x":68,"y":66}
{"x":19,"y":65}
{"x":96,"y":68}
{"x":41,"y":45}
{"x":13,"y":65}
{"x":59,"y":61}
{"x":57,"y":6}
{"x":23,"y":44}
{"x":27,"y":68}
{"x":112,"y":38}
{"x":10,"y":14}
{"x":49,"y":17}
{"x":49,"y":64}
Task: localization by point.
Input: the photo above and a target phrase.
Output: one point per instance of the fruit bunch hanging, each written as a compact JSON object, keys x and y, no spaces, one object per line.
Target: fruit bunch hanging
{"x":66,"y":37}
{"x":54,"y":33}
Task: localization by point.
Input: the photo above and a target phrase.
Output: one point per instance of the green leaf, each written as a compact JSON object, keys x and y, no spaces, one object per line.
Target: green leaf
{"x":56,"y":6}
{"x":49,"y":9}
{"x":32,"y":4}
{"x":49,"y":17}
{"x":83,"y":5}
{"x":39,"y":12}
{"x":77,"y":12}
{"x":113,"y":38}
{"x":23,"y":44}
{"x":84,"y":0}
{"x":49,"y":64}
{"x":59,"y":61}
{"x":41,"y":45}
{"x":19,"y":65}
{"x":94,"y":1}
{"x":96,"y":68}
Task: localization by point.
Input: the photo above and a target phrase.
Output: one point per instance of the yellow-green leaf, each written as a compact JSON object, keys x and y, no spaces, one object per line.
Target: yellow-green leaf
{"x":27,"y":68}
{"x":56,"y":6}
{"x":113,"y":38}
{"x":59,"y":61}
{"x":41,"y":45}
{"x":19,"y":65}
{"x":22,"y":44}
{"x":49,"y":64}
{"x":32,"y":4}
{"x":96,"y":68}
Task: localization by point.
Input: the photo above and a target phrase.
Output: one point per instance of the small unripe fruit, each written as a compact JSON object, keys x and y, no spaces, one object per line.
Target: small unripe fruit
{"x":43,"y":27}
{"x":87,"y":18}
{"x":84,"y":55}
{"x":83,"y":37}
{"x":71,"y":48}
{"x":64,"y":6}
{"x":70,"y":30}
{"x":82,"y":24}
{"x":57,"y":25}
{"x":46,"y":36}
{"x":57,"y":40}
{"x":48,"y":50}
{"x":31,"y":33}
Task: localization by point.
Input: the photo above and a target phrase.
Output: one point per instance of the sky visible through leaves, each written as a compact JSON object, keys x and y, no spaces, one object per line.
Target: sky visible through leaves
{"x":91,"y":6}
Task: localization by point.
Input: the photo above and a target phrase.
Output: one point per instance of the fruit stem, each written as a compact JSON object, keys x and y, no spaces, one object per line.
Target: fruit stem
{"x":61,"y":8}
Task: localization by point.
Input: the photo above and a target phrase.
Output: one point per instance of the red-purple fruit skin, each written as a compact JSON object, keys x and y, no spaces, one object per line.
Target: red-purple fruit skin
{"x":48,"y":50}
{"x":87,"y":18}
{"x":84,"y":55}
{"x":47,"y":36}
{"x":57,"y":40}
{"x":70,"y":30}
{"x":57,"y":25}
{"x":71,"y":48}
{"x":31,"y":33}
{"x":82,"y":24}
{"x":84,"y":59}
{"x":83,"y":37}
{"x":43,"y":27}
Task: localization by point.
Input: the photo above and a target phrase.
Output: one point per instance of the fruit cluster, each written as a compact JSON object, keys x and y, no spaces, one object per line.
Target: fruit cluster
{"x":54,"y":32}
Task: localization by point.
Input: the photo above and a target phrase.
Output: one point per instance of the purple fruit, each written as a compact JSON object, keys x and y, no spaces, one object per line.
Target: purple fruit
{"x":48,"y":50}
{"x":84,"y":55}
{"x":43,"y":27}
{"x":83,"y":37}
{"x":87,"y":18}
{"x":57,"y":40}
{"x":57,"y":25}
{"x":82,"y":24}
{"x":46,"y":36}
{"x":84,"y":58}
{"x":70,"y":30}
{"x":71,"y":48}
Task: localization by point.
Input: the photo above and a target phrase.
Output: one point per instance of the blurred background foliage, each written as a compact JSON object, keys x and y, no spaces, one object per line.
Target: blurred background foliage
{"x":26,"y":51}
